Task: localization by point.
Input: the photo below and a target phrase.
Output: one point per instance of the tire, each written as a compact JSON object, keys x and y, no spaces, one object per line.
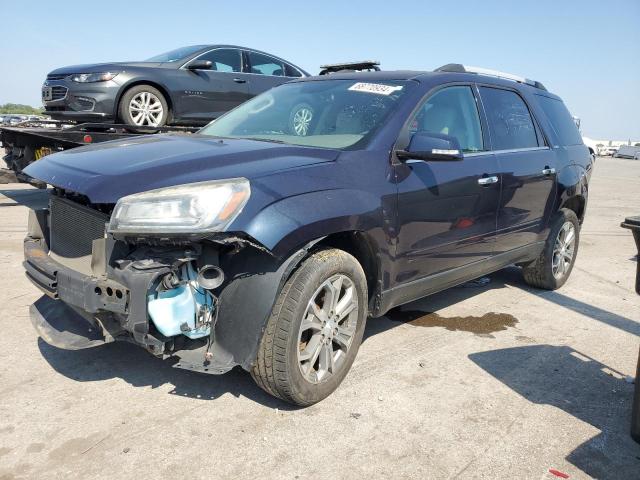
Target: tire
{"x":549,"y":271}
{"x":301,"y":119}
{"x":284,"y":367}
{"x":152,"y":109}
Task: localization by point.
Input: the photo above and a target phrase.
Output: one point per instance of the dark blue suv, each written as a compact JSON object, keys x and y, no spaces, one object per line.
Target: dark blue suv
{"x":267,"y":239}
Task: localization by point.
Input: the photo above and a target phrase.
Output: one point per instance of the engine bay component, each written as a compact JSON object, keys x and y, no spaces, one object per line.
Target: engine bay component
{"x":210,"y":277}
{"x":187,"y":308}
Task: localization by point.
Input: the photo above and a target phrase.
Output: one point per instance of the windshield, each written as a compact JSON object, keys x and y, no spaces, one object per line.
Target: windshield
{"x":175,"y":55}
{"x":331,"y":114}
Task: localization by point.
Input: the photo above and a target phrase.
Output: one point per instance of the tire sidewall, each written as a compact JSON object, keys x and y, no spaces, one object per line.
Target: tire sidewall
{"x":304,"y":391}
{"x":123,"y":109}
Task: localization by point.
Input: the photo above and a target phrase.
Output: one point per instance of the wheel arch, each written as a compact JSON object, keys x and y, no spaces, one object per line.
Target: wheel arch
{"x":142,"y":81}
{"x":360,"y":246}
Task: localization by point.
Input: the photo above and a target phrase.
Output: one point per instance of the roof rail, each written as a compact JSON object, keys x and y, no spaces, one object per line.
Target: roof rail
{"x":358,"y":66}
{"x":459,"y":68}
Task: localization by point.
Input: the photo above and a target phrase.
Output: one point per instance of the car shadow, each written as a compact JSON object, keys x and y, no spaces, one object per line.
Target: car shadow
{"x":33,"y":198}
{"x":141,"y":369}
{"x":582,"y":387}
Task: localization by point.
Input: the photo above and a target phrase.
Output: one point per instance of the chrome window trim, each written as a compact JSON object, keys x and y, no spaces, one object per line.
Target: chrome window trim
{"x":517,"y":150}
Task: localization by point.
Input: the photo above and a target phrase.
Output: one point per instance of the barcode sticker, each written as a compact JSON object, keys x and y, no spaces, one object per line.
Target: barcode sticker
{"x":378,"y":88}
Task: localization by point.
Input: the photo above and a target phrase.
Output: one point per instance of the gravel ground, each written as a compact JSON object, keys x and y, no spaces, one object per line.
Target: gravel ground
{"x":498,"y":380}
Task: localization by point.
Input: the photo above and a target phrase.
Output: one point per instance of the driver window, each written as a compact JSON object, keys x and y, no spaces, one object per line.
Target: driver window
{"x":224,"y":60}
{"x":451,"y":111}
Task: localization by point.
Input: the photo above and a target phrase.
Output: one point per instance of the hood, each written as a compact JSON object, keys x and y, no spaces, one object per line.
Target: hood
{"x":107,"y":171}
{"x":102,"y":67}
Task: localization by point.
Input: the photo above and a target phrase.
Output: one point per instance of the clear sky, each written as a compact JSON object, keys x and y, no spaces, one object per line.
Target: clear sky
{"x":586,"y":51}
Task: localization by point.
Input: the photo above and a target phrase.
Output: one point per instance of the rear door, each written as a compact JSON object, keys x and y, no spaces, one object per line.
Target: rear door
{"x":266,"y":72}
{"x":207,"y":94}
{"x":527,"y":165}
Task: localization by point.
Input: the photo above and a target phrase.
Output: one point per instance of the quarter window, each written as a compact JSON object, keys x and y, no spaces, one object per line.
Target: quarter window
{"x":451,"y":111}
{"x":560,"y":120}
{"x":265,"y":65}
{"x":224,"y":60}
{"x":510,"y":123}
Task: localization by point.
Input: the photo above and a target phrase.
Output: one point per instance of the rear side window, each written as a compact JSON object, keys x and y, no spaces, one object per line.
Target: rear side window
{"x":510,"y":123}
{"x":224,"y":60}
{"x":265,"y":65}
{"x":289,"y":71}
{"x":560,"y":120}
{"x":451,"y":111}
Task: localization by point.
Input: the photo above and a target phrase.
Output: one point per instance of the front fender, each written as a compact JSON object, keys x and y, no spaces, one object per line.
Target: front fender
{"x":287,"y":224}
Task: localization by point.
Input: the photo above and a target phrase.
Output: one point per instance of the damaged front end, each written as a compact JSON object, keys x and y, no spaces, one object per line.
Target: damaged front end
{"x":200,"y":300}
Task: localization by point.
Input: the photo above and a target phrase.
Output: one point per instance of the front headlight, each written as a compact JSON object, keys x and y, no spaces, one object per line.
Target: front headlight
{"x":192,"y":208}
{"x":93,"y":77}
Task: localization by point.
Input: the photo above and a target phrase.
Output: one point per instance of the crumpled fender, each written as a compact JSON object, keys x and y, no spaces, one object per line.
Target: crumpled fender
{"x":291,"y":222}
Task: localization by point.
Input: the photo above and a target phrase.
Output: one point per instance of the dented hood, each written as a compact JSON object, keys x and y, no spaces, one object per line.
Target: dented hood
{"x":107,"y":171}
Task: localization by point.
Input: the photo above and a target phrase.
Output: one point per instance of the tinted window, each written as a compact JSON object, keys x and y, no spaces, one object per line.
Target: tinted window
{"x":224,"y":60}
{"x":265,"y":65}
{"x":560,"y":120}
{"x":451,"y":111}
{"x":510,"y":123}
{"x":289,"y":71}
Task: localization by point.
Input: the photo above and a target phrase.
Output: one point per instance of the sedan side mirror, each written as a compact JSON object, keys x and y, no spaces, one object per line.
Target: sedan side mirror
{"x":200,"y":65}
{"x":431,"y":146}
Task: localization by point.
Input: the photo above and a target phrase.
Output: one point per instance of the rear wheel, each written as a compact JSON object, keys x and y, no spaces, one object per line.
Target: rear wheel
{"x":315,"y":329}
{"x":554,"y":265}
{"x":144,"y":106}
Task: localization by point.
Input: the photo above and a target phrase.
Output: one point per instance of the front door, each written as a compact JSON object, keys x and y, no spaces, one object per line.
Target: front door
{"x":207,"y":94}
{"x":528,"y":168}
{"x":447,"y":209}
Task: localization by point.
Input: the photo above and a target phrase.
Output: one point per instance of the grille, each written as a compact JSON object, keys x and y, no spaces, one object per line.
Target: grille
{"x":57,"y":76}
{"x":58,"y":93}
{"x":73,"y":228}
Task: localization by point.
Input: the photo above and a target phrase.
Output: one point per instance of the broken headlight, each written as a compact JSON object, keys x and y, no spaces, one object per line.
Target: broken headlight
{"x":192,"y":208}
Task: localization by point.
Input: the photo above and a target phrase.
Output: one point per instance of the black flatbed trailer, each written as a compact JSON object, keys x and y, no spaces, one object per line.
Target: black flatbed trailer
{"x":30,"y":141}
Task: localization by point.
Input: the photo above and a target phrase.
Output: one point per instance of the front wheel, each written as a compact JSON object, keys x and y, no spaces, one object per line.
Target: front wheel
{"x":554,"y":265}
{"x":144,"y":106}
{"x":315,"y":329}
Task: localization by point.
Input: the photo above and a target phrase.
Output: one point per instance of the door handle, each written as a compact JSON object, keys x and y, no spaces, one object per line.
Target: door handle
{"x":239,"y":80}
{"x":548,"y":171}
{"x":487,"y":180}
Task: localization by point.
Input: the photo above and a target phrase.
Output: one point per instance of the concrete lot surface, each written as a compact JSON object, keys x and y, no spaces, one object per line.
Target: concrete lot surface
{"x":499,"y":381}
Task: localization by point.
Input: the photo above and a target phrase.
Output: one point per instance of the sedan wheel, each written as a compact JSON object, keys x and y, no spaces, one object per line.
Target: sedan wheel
{"x":146,"y":109}
{"x":301,"y":120}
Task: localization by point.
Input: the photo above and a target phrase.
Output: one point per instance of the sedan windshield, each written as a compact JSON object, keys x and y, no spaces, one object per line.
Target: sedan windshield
{"x":175,"y":55}
{"x":331,"y":114}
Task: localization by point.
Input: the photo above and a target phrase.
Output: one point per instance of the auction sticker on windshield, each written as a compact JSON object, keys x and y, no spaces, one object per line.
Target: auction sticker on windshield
{"x":378,"y":88}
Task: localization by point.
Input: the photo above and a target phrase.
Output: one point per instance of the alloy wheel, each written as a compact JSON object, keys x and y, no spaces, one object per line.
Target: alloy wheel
{"x":146,"y":109}
{"x":302,"y":121}
{"x":327,"y":329}
{"x":563,"y":250}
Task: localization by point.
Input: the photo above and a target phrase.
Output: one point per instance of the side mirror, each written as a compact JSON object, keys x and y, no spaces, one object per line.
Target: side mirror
{"x":431,"y":146}
{"x":200,"y":65}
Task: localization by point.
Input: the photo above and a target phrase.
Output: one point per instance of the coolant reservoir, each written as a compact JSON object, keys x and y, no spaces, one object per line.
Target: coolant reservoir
{"x":170,"y":309}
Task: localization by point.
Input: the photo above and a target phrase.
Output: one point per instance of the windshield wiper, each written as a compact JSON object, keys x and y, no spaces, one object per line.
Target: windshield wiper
{"x":270,"y":140}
